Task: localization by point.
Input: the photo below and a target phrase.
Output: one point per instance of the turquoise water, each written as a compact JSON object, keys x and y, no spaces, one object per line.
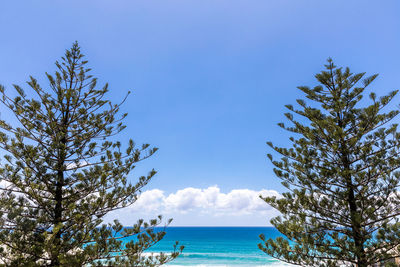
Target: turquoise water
{"x":218,"y":246}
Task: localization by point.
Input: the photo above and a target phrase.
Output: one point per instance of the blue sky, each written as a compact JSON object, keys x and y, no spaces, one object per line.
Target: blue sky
{"x":209,"y":80}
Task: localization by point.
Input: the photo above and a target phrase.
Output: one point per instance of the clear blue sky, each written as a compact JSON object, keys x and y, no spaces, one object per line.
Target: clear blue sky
{"x":209,"y":77}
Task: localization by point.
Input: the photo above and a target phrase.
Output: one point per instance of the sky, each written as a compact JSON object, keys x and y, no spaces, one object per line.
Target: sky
{"x":209,"y":82}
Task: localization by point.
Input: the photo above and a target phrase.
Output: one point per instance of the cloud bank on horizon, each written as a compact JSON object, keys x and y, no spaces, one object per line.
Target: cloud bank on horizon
{"x":202,"y":207}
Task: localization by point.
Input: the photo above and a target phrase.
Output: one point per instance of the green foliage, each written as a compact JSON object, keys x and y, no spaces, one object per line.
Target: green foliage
{"x":63,"y":172}
{"x":342,"y":204}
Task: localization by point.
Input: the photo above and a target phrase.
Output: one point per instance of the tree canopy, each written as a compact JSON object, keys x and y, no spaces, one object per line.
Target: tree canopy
{"x":63,"y":170}
{"x":341,"y":172}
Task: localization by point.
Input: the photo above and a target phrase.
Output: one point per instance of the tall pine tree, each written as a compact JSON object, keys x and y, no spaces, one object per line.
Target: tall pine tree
{"x":63,"y":170}
{"x":342,"y":204}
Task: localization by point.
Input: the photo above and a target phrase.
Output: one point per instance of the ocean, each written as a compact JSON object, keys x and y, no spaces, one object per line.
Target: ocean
{"x":218,"y":246}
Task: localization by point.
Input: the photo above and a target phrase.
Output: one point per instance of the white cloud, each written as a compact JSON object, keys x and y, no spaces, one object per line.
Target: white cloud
{"x":209,"y":201}
{"x":149,"y":201}
{"x":201,"y":207}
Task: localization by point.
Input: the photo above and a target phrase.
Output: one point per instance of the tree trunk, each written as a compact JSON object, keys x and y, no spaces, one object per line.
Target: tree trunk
{"x":355,"y":220}
{"x":354,"y":216}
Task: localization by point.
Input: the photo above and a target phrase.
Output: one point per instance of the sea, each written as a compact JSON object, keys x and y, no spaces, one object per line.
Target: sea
{"x":218,"y":246}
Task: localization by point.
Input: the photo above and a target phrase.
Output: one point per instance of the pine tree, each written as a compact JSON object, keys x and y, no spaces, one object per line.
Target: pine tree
{"x":63,"y":170}
{"x":342,"y":204}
